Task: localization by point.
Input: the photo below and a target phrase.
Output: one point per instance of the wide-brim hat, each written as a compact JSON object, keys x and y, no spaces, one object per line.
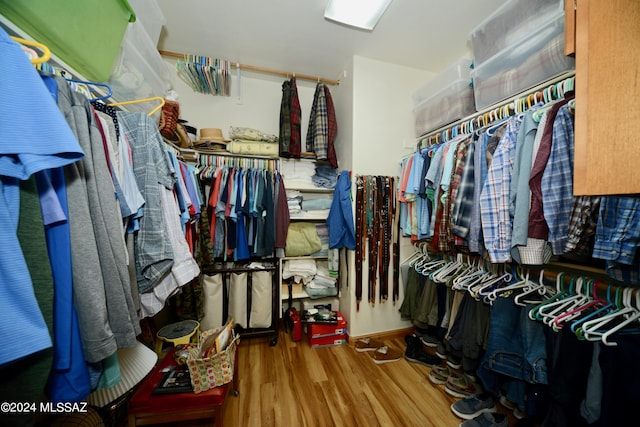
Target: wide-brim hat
{"x":211,"y":139}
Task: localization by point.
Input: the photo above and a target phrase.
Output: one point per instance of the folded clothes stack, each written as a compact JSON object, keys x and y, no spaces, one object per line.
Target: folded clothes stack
{"x":325,"y":177}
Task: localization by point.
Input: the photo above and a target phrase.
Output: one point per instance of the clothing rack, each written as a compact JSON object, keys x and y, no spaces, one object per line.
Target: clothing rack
{"x":262,"y":69}
{"x":548,"y":91}
{"x":208,"y":163}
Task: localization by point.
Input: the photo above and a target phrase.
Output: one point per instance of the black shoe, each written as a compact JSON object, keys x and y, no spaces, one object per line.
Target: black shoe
{"x":423,"y":358}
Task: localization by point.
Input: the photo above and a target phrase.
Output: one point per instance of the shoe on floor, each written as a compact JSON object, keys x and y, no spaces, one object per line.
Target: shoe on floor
{"x":453,"y":362}
{"x":518,"y":414}
{"x":474,"y":405}
{"x":430,"y":341}
{"x":487,"y":419}
{"x":462,"y":386}
{"x":441,"y":351}
{"x":367,"y":344}
{"x":419,"y":355}
{"x":440,"y":374}
{"x":507,"y":403}
{"x":386,"y":354}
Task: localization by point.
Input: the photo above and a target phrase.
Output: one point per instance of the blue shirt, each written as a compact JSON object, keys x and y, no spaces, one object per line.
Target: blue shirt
{"x":35,"y":137}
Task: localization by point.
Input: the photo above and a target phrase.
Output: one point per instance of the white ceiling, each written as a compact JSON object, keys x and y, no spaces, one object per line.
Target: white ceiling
{"x":293,"y":36}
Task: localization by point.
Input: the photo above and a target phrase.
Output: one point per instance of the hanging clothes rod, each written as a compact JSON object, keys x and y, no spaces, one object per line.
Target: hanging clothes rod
{"x":517,"y":103}
{"x":263,"y":69}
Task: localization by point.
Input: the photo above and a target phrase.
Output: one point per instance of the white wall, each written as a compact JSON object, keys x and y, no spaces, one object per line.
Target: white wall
{"x":383,"y":131}
{"x":374,"y":109}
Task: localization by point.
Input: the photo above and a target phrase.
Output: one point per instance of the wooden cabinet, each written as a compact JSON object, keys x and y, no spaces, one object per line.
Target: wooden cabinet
{"x":607,"y":127}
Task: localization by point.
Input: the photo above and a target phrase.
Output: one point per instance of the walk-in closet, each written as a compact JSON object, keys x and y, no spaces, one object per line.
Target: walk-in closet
{"x":296,"y":213}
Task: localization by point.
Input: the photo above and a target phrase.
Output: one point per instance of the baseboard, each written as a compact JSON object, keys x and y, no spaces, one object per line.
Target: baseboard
{"x":385,"y":334}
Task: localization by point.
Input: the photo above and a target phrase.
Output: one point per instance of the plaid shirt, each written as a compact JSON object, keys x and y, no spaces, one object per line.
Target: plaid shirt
{"x":557,"y":181}
{"x":323,"y":126}
{"x":463,"y":201}
{"x":618,"y":229}
{"x":295,"y":116}
{"x":494,"y":198}
{"x":456,"y":178}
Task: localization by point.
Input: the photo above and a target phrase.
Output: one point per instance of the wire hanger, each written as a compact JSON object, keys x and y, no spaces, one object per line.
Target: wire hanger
{"x":137,"y":101}
{"x":46,"y":53}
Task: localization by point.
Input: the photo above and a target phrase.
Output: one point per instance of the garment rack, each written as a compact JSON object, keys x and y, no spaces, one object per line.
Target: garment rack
{"x":262,"y":69}
{"x":515,"y":104}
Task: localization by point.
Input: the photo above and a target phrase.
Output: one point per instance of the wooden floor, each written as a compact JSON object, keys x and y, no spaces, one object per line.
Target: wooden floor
{"x":293,"y":384}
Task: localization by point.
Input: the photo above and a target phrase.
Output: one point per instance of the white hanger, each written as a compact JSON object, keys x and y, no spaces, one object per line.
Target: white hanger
{"x":592,"y":329}
{"x":564,"y":304}
{"x":632,"y":318}
{"x":538,"y":288}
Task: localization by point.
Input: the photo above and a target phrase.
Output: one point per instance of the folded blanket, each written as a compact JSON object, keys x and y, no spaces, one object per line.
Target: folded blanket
{"x":302,"y":239}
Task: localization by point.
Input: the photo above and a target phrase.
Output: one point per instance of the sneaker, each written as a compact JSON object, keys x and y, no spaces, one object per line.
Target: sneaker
{"x":440,"y":374}
{"x":429,"y":341}
{"x":386,"y":354}
{"x":474,"y":405}
{"x":367,"y":344}
{"x":507,"y":403}
{"x":419,"y":355}
{"x":453,"y":362}
{"x":487,"y":419}
{"x":441,"y":351}
{"x":518,"y":414}
{"x":461,"y":386}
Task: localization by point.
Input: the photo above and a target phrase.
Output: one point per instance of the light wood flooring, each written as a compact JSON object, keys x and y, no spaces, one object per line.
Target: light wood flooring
{"x":293,"y":384}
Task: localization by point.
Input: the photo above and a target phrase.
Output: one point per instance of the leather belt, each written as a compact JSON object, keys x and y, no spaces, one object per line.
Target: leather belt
{"x":360,"y":233}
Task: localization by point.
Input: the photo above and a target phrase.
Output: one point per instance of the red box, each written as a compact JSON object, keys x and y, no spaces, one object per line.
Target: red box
{"x":327,"y":340}
{"x":316,"y":330}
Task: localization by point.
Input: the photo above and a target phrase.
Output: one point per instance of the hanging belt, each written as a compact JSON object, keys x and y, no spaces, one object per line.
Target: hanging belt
{"x":374,"y":237}
{"x":360,"y":236}
{"x":385,"y":231}
{"x":396,"y":242}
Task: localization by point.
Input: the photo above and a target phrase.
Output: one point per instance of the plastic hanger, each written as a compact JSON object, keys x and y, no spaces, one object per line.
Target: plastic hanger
{"x":590,"y":302}
{"x":592,"y":329}
{"x":619,"y":328}
{"x":100,"y":98}
{"x":608,"y":305}
{"x":137,"y":101}
{"x":46,"y":53}
{"x":569,"y":302}
{"x":560,"y":293}
{"x":536,"y":289}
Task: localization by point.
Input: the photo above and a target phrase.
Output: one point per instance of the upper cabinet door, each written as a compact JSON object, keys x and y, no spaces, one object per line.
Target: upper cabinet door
{"x":607,"y":127}
{"x":570,"y":27}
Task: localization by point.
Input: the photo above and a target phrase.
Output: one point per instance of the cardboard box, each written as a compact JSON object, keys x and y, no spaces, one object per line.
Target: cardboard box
{"x":316,"y":330}
{"x":327,"y":340}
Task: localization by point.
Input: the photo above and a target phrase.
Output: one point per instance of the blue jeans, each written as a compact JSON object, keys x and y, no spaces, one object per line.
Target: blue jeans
{"x":516,"y":349}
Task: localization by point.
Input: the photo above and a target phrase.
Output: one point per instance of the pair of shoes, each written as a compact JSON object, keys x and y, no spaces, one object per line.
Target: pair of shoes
{"x":487,"y":419}
{"x":386,"y":354}
{"x":474,"y":405}
{"x":440,"y":374}
{"x":367,"y":344}
{"x":462,"y":386}
{"x":517,"y":413}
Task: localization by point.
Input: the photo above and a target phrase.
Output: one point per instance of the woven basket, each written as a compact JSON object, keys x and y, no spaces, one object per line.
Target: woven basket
{"x":213,"y":371}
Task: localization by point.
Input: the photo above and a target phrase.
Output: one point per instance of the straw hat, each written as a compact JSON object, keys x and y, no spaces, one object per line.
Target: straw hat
{"x":211,"y":138}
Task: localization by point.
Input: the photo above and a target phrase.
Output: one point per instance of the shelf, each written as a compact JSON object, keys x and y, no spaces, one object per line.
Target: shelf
{"x":304,"y":257}
{"x":310,"y":189}
{"x":307,"y":218}
{"x":296,"y":293}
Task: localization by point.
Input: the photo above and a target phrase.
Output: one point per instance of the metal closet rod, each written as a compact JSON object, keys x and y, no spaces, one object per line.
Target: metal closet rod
{"x":263,"y":69}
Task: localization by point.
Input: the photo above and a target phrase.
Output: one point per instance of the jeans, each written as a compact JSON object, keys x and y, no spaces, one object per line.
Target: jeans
{"x":516,"y":349}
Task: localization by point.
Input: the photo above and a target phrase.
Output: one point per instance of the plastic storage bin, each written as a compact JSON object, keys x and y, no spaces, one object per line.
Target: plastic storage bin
{"x":150,"y":15}
{"x":85,"y":34}
{"x":139,"y":71}
{"x":511,"y":23}
{"x":445,"y":106}
{"x":522,"y":66}
{"x":460,"y":70}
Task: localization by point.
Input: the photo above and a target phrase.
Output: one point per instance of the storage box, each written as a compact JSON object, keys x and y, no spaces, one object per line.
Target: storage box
{"x":460,"y":70}
{"x":327,"y":340}
{"x":511,"y":23}
{"x":318,"y":330}
{"x":139,"y":72}
{"x":528,"y":63}
{"x":449,"y":104}
{"x":150,"y":15}
{"x":85,"y":34}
